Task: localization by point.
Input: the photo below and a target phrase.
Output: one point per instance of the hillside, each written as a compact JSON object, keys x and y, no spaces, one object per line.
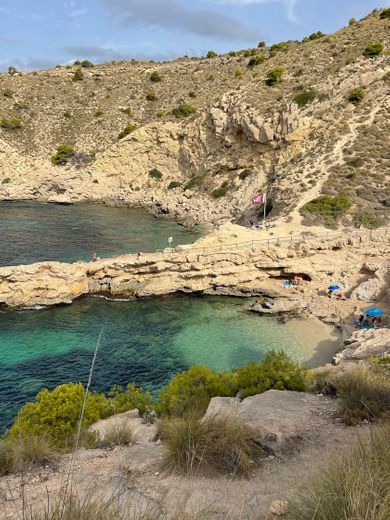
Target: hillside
{"x":229,"y":121}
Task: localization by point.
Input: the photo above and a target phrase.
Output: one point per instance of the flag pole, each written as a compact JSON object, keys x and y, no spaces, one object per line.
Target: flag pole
{"x":265,"y":205}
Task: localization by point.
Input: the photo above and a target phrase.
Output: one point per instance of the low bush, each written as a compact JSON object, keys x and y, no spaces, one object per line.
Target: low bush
{"x":129,"y":129}
{"x":155,"y":77}
{"x":305,"y":97}
{"x":215,"y":445}
{"x":244,"y":174}
{"x":86,"y":64}
{"x":261,"y":44}
{"x":174,"y":184}
{"x":327,"y":205}
{"x":7,"y":457}
{"x":194,"y":182}
{"x":78,"y":75}
{"x":314,"y":36}
{"x":8,"y":93}
{"x":276,"y":371}
{"x":119,"y":434}
{"x":25,"y":452}
{"x":98,"y":112}
{"x":212,"y":54}
{"x":191,"y":391}
{"x":192,"y":94}
{"x":256,"y":60}
{"x":151,"y":96}
{"x":277,"y":47}
{"x":128,"y":398}
{"x":126,"y":111}
{"x":274,"y":76}
{"x":368,"y":220}
{"x":355,"y":162}
{"x":10,"y":124}
{"x":183,"y":110}
{"x":63,"y":154}
{"x":67,"y":114}
{"x":7,"y":180}
{"x":155,"y":174}
{"x":356,"y":95}
{"x":238,"y":73}
{"x":385,"y":14}
{"x":354,"y":484}
{"x":221,"y":191}
{"x":352,"y":22}
{"x":373,"y":49}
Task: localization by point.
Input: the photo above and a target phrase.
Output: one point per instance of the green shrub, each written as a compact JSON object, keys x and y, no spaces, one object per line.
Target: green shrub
{"x":277,"y":47}
{"x":333,"y":207}
{"x":86,"y":64}
{"x":67,"y":114}
{"x":98,"y":113}
{"x":352,"y":485}
{"x":127,"y":130}
{"x":305,"y":97}
{"x":373,"y":49}
{"x":7,"y":457}
{"x":155,"y":174}
{"x":77,"y":62}
{"x":174,"y":184}
{"x":78,"y":75}
{"x":256,"y":60}
{"x":314,"y":36}
{"x":7,"y":180}
{"x":221,"y":191}
{"x":276,"y":371}
{"x":356,"y":95}
{"x":244,"y":174}
{"x":33,"y":450}
{"x":95,"y":181}
{"x":151,"y":96}
{"x":8,"y":93}
{"x":10,"y":124}
{"x":55,"y":414}
{"x":261,"y":44}
{"x":238,"y":73}
{"x":124,"y":399}
{"x":355,"y":162}
{"x":274,"y":76}
{"x":63,"y":154}
{"x":352,"y":22}
{"x":118,"y":434}
{"x":212,"y":54}
{"x":126,"y":111}
{"x":385,"y":14}
{"x":194,"y":182}
{"x":183,"y":110}
{"x":155,"y":77}
{"x":368,"y":220}
{"x":192,"y":94}
{"x":215,"y":445}
{"x":192,"y":390}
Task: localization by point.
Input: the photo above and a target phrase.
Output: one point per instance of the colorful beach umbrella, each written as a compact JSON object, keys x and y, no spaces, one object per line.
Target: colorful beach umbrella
{"x":334,"y":287}
{"x":374,"y":311}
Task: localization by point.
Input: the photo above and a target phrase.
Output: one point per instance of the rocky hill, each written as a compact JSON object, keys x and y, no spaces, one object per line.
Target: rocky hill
{"x":199,"y":137}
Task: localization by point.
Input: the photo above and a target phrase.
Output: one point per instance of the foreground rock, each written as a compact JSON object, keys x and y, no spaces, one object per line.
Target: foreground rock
{"x":281,"y":421}
{"x":363,"y":344}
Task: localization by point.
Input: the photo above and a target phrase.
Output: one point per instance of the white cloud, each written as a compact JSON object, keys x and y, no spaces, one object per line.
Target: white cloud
{"x":289,"y":4}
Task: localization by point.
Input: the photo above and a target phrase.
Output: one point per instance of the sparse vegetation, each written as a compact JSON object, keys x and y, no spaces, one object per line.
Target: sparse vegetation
{"x":385,"y":14}
{"x":78,"y":75}
{"x":192,"y":94}
{"x":274,"y":76}
{"x":86,"y":64}
{"x":151,"y":96}
{"x":356,"y":95}
{"x":63,"y":154}
{"x":212,"y":54}
{"x":13,"y":123}
{"x":183,"y":110}
{"x":373,"y":49}
{"x":314,"y":36}
{"x":7,"y":180}
{"x":127,"y":111}
{"x":352,"y":22}
{"x":244,"y":174}
{"x":221,"y":191}
{"x":129,"y":129}
{"x":8,"y":93}
{"x":329,"y":206}
{"x":368,"y":220}
{"x":305,"y":97}
{"x":118,"y":434}
{"x":195,"y":182}
{"x":155,"y":77}
{"x":174,"y":184}
{"x":155,"y":174}
{"x":215,"y":445}
{"x":67,"y":114}
{"x":256,"y":60}
{"x":98,"y":113}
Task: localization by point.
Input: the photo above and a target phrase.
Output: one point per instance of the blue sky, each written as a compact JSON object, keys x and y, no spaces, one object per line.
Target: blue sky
{"x":36,"y":34}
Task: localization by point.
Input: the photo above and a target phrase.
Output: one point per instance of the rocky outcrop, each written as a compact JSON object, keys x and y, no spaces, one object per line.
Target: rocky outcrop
{"x":363,"y":344}
{"x":281,"y":421}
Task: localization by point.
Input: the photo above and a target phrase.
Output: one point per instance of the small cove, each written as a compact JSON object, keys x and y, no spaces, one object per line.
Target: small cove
{"x":145,"y":341}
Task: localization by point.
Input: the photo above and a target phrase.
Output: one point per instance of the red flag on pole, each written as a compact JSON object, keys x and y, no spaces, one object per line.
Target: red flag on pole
{"x":259,"y":199}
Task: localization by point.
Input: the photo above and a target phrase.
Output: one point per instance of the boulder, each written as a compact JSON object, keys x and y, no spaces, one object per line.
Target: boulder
{"x":280,"y":420}
{"x":142,"y":432}
{"x":365,"y":343}
{"x":279,"y":306}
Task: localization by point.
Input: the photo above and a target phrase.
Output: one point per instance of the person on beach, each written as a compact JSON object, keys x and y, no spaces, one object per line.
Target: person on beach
{"x":94,"y":257}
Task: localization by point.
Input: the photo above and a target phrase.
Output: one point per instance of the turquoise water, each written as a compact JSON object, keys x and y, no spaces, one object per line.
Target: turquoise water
{"x":34,"y":232}
{"x":145,"y":342}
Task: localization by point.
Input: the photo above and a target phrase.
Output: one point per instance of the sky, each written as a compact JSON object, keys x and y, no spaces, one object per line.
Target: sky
{"x":38,"y":34}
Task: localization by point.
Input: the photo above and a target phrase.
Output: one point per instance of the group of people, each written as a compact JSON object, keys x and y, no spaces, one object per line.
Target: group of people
{"x":258,"y":225}
{"x":364,"y":321}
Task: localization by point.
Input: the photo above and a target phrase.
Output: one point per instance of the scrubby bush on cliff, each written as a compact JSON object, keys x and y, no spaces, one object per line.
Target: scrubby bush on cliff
{"x":216,"y":445}
{"x":192,"y":390}
{"x":354,"y":484}
{"x":8,"y":93}
{"x":174,"y":184}
{"x":78,"y":75}
{"x":327,"y":205}
{"x":86,"y":64}
{"x":127,"y":130}
{"x":314,"y":36}
{"x":63,"y":154}
{"x":373,"y":49}
{"x":151,"y":96}
{"x":192,"y":94}
{"x":221,"y":191}
{"x":194,"y":182}
{"x":124,"y":399}
{"x":155,"y":77}
{"x":276,"y":371}
{"x":385,"y":14}
{"x":256,"y":60}
{"x":127,"y":111}
{"x":368,"y":220}
{"x":244,"y":174}
{"x":305,"y":97}
{"x":212,"y":54}
{"x":183,"y":110}
{"x":10,"y":124}
{"x":155,"y":174}
{"x":274,"y":76}
{"x":356,"y":95}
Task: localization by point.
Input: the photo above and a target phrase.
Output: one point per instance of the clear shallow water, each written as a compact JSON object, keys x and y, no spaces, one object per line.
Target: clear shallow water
{"x":145,"y":342}
{"x":34,"y":232}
